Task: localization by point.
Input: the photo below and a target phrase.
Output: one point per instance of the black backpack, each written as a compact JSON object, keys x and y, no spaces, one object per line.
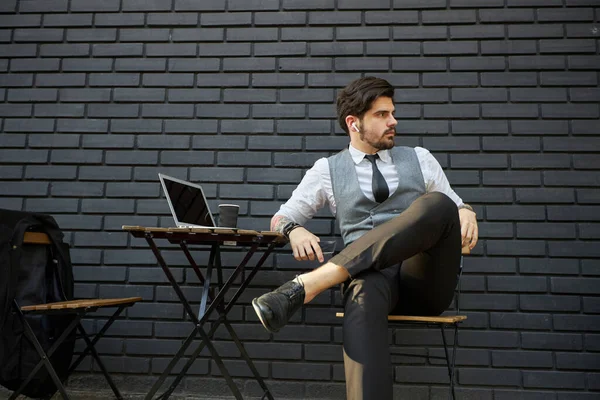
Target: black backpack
{"x":32,"y":274}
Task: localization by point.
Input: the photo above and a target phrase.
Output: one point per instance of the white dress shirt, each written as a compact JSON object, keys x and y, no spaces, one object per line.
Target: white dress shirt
{"x":315,"y":191}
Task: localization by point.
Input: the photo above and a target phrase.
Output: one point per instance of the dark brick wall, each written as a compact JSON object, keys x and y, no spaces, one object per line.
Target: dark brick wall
{"x":96,"y":97}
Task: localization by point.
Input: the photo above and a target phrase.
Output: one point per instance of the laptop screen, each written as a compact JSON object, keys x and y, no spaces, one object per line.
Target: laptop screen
{"x":189,"y":204}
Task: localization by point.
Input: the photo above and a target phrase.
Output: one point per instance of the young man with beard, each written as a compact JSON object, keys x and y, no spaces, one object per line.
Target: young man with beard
{"x":403,"y":228}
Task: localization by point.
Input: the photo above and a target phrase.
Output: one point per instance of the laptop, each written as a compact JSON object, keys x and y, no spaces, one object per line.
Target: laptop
{"x":187,"y":203}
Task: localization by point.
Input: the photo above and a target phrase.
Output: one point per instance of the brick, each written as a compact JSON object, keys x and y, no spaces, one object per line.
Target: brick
{"x":25,"y":188}
{"x":589,"y":231}
{"x":173,"y":19}
{"x":418,"y":374}
{"x":249,"y":95}
{"x":104,"y":173}
{"x":138,"y":95}
{"x":517,"y":178}
{"x":277,"y":80}
{"x":222,"y":110}
{"x":548,"y":266}
{"x":218,"y":175}
{"x":82,"y":125}
{"x":144,"y":35}
{"x":114,"y":79}
{"x":51,"y":172}
{"x":18,"y":50}
{"x":519,"y":359}
{"x":92,"y":35}
{"x":187,"y":157}
{"x":43,"y":6}
{"x":312,"y":371}
{"x":508,"y":79}
{"x":504,"y":377}
{"x":579,"y":14}
{"x":251,"y":34}
{"x":583,"y":62}
{"x":574,"y":285}
{"x":86,"y":65}
{"x":550,"y":303}
{"x":546,"y":230}
{"x":584,"y":94}
{"x":290,"y":127}
{"x":52,"y":205}
{"x":246,"y":126}
{"x":444,"y":79}
{"x":228,"y":142}
{"x":520,"y":321}
{"x":12,"y":140}
{"x":566,"y":46}
{"x":508,"y":47}
{"x":168,"y":110}
{"x":16,"y":80}
{"x":67,"y":20}
{"x":477,"y":64}
{"x":250,"y":64}
{"x":448,"y":17}
{"x":119,"y":50}
{"x":539,"y":127}
{"x":536,"y":63}
{"x":516,"y":284}
{"x":568,"y":79}
{"x":36,"y":64}
{"x":65,"y":50}
{"x":191,"y":5}
{"x":28,"y":125}
{"x":504,"y":302}
{"x":120,"y":20}
{"x":519,"y":95}
{"x":193,"y":65}
{"x":506,"y":15}
{"x":162,"y":142}
{"x":571,"y":361}
{"x":340,"y":18}
{"x":218,"y":80}
{"x":154,"y":5}
{"x":279,"y":18}
{"x":449,"y":111}
{"x":108,"y":141}
{"x":478,"y":31}
{"x":32,"y":95}
{"x":193,"y":95}
{"x":535,"y":31}
{"x":59,"y":110}
{"x":512,"y":144}
{"x":577,"y":323}
{"x":229,"y":19}
{"x":113,"y":110}
{"x":76,"y":189}
{"x":92,"y":6}
{"x":19,"y":20}
{"x":132,"y":157}
{"x":548,"y":380}
{"x":319,"y":34}
{"x":479,"y":161}
{"x":197,"y":35}
{"x":17,"y":110}
{"x":452,"y":48}
{"x":224,"y":49}
{"x":190,"y":126}
{"x":280,"y":49}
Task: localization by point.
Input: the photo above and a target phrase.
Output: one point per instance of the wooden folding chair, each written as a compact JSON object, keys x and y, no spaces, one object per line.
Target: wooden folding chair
{"x":77,"y":309}
{"x":440,"y":321}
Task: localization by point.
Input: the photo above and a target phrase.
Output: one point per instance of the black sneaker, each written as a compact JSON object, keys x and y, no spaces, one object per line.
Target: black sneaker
{"x":275,"y":308}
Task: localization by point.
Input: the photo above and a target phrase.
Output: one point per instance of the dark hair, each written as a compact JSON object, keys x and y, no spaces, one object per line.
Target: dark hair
{"x":358,"y":96}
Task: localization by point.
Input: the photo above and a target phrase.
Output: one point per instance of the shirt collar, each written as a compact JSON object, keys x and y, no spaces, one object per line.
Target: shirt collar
{"x":358,"y":156}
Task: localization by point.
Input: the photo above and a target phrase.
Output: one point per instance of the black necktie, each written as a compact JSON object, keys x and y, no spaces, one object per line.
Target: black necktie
{"x":380,"y":188}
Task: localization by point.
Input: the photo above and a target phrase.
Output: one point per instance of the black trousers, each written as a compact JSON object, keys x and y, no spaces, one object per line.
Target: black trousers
{"x":407,"y":266}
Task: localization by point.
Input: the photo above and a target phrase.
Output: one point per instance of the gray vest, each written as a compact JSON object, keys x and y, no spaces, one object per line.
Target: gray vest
{"x":355,"y":213}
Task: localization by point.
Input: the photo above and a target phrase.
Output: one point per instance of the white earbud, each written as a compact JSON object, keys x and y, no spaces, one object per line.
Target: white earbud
{"x":355,"y":127}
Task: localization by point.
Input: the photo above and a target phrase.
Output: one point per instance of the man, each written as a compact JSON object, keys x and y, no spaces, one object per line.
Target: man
{"x":401,"y":223}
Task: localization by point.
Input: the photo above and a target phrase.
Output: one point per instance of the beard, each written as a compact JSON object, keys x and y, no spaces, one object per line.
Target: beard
{"x":383,"y":142}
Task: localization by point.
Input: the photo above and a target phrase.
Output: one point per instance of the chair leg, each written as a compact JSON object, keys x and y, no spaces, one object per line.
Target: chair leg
{"x":45,"y":358}
{"x":92,"y":349}
{"x":450,"y":364}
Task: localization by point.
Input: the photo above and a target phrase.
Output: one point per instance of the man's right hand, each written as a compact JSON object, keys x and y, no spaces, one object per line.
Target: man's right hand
{"x":305,"y":245}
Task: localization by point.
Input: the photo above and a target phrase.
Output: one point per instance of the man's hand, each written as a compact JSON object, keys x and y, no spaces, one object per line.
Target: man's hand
{"x":468,"y":228}
{"x":305,"y":245}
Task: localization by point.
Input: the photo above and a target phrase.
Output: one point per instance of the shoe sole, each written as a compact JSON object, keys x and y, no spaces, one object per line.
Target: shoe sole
{"x":258,"y":312}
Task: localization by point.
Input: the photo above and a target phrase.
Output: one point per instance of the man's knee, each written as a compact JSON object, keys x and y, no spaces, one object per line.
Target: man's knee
{"x":369,"y":292}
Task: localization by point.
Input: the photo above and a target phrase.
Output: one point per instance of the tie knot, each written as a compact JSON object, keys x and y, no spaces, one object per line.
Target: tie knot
{"x":372,"y":157}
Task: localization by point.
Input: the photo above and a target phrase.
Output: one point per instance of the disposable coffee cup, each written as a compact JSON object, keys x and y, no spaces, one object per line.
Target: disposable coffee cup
{"x":228,"y":215}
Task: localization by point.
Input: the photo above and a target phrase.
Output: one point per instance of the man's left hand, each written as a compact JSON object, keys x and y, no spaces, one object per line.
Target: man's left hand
{"x":468,"y":228}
